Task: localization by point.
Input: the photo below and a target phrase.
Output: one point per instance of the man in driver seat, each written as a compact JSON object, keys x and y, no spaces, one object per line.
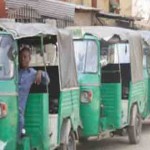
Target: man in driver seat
{"x":27,"y":76}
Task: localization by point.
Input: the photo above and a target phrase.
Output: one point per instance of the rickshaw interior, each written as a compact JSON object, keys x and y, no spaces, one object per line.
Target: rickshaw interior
{"x":42,"y":60}
{"x":43,"y":101}
{"x":118,"y":68}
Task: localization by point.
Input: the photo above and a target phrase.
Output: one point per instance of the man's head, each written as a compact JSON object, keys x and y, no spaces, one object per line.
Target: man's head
{"x":24,"y":57}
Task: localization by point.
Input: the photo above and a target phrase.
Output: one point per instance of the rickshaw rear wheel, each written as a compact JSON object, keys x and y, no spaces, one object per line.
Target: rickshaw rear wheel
{"x":83,"y":139}
{"x":134,"y":130}
{"x":71,"y":143}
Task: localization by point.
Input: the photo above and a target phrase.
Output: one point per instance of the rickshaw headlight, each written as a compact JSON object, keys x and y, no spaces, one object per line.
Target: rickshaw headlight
{"x":3,"y":110}
{"x":86,"y":96}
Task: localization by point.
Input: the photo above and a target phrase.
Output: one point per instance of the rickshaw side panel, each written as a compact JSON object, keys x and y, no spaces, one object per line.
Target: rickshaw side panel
{"x":75,"y":117}
{"x":36,"y":121}
{"x":138,"y":96}
{"x":148,"y":109}
{"x":9,"y":124}
{"x":90,"y":111}
{"x":68,"y":109}
{"x":146,"y":112}
{"x":111,"y":100}
{"x":90,"y":120}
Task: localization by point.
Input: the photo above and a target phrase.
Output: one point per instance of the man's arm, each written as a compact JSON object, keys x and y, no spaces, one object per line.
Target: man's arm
{"x":42,"y":77}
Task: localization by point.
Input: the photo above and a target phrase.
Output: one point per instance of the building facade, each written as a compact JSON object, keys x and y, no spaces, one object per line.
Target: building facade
{"x":2,"y":9}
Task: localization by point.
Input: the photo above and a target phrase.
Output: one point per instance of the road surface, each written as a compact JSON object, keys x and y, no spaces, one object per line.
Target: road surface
{"x":120,"y":143}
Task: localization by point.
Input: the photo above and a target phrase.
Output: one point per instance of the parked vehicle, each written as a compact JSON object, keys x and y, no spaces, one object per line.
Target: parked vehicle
{"x":113,"y":82}
{"x":146,"y":65}
{"x":52,"y":112}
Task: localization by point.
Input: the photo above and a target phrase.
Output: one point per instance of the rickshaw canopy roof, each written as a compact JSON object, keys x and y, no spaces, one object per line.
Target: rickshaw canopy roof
{"x":67,"y":67}
{"x":145,"y":35}
{"x":106,"y":33}
{"x":23,"y":30}
{"x":101,"y":32}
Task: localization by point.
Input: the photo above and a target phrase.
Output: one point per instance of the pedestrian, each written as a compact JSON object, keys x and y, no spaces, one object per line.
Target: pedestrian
{"x":27,"y":76}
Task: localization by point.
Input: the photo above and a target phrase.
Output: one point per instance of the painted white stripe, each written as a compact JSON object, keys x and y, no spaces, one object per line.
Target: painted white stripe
{"x":69,"y":89}
{"x":89,"y":84}
{"x":9,"y":94}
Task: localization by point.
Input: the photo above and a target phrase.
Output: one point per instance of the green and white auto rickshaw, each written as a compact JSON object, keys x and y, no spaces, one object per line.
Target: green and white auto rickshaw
{"x":52,"y":112}
{"x":113,"y":87}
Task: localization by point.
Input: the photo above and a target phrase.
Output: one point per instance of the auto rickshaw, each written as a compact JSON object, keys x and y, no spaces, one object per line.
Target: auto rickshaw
{"x":113,"y":87}
{"x":52,"y":111}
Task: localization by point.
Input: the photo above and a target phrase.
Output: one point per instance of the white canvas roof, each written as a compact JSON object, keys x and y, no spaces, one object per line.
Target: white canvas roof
{"x":65,"y":47}
{"x":102,"y":32}
{"x":145,"y":35}
{"x":22,"y":30}
{"x":106,"y":33}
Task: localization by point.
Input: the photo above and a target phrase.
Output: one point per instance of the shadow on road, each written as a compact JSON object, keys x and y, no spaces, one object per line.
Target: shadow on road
{"x":117,"y":142}
{"x":146,"y":126}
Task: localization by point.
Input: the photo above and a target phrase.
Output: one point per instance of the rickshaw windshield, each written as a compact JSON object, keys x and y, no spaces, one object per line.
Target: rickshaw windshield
{"x":86,"y":56}
{"x":6,"y":57}
{"x":116,"y":53}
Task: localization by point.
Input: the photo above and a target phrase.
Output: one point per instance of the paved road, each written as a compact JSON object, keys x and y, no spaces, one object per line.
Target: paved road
{"x":120,"y":143}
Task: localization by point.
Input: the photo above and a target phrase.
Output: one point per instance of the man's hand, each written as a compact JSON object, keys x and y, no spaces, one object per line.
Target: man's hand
{"x":38,"y":77}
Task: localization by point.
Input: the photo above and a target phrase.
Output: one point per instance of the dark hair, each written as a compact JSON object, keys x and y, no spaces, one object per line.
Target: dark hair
{"x":25,"y":48}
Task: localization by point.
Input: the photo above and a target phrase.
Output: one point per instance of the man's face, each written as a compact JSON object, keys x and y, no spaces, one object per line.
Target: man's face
{"x":24,"y":59}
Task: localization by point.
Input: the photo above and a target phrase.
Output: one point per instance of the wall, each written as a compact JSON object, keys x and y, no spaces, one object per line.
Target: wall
{"x":2,"y":9}
{"x":103,"y":5}
{"x":80,"y":2}
{"x":126,"y":7}
{"x":87,"y":3}
{"x":83,"y":18}
{"x":141,"y":8}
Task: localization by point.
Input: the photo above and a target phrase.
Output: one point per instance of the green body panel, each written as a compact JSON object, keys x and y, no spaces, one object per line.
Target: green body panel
{"x":146,"y":112}
{"x":36,"y":115}
{"x":108,"y":110}
{"x":138,"y":95}
{"x":24,"y":144}
{"x":8,"y":87}
{"x":90,"y":112}
{"x":9,"y":124}
{"x":111,"y":100}
{"x":36,"y":121}
{"x":148,"y":104}
{"x":68,"y":108}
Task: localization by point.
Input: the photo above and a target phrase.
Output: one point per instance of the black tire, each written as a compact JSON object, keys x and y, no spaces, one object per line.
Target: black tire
{"x":83,"y":139}
{"x":71,"y":143}
{"x":134,"y":131}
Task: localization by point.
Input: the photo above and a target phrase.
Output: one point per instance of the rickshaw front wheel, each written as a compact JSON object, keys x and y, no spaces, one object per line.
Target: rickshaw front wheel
{"x":134,"y":130}
{"x":71,"y":143}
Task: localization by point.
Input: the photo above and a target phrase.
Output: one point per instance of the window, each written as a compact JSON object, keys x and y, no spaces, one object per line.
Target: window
{"x":146,"y":58}
{"x":116,"y":53}
{"x":6,"y":57}
{"x":86,"y":56}
{"x":50,"y":55}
